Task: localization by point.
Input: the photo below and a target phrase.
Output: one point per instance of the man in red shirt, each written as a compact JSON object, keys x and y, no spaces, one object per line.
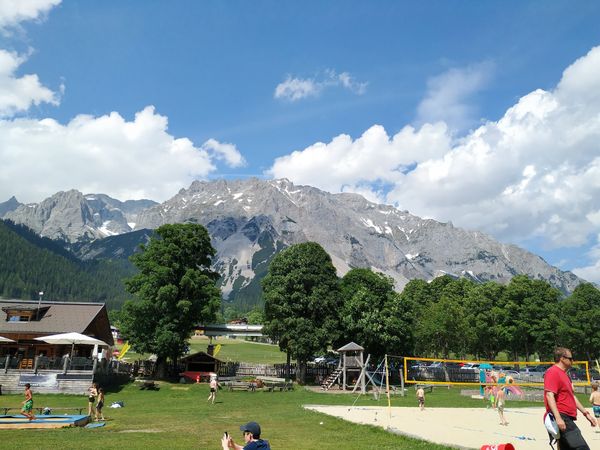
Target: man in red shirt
{"x":560,"y":399}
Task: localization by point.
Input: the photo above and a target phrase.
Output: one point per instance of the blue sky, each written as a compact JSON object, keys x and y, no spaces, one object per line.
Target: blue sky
{"x":456,"y":110}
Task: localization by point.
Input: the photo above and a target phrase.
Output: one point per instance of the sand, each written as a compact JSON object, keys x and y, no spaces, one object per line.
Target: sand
{"x":460,"y":427}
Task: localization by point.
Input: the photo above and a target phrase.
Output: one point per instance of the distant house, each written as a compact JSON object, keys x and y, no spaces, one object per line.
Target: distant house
{"x":199,"y":365}
{"x":23,"y":321}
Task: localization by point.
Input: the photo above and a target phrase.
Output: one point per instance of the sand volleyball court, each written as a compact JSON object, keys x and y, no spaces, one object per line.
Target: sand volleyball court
{"x":460,"y":427}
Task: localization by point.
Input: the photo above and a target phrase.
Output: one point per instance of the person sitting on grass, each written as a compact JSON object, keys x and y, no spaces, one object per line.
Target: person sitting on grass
{"x":252,"y":439}
{"x":28,"y":403}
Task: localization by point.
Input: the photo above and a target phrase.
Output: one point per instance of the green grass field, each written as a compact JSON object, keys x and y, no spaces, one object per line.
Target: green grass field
{"x":178,"y":416}
{"x":231,"y":350}
{"x":241,"y":350}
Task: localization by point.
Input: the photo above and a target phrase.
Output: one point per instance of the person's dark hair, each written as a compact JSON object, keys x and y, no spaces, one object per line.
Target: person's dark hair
{"x":559,"y":352}
{"x":27,"y":385}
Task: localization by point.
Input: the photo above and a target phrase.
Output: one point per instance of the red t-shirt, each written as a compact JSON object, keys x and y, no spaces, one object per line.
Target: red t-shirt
{"x":557,"y":381}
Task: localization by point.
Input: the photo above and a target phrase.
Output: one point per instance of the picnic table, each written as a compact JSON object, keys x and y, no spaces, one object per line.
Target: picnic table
{"x":235,"y":385}
{"x":150,"y":385}
{"x":272,"y":383}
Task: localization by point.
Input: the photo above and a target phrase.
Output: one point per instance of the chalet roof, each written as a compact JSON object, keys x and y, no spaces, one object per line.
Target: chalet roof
{"x":202,"y":355}
{"x":350,"y":347}
{"x":58,"y":317}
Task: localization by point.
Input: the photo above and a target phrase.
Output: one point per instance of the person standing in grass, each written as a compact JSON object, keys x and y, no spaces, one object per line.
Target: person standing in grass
{"x":214,"y":385}
{"x":499,"y":405}
{"x":421,"y":397}
{"x":92,"y":394}
{"x":27,"y":409}
{"x":100,"y":405}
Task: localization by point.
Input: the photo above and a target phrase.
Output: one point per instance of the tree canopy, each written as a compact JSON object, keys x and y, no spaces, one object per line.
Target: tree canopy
{"x":371,"y":314}
{"x":174,"y":291}
{"x":302,"y":301}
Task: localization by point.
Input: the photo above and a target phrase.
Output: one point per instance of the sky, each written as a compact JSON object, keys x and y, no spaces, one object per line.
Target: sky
{"x":485,"y":114}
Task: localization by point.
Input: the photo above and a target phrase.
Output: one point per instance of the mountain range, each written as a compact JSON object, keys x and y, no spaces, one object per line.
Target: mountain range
{"x":251,"y":220}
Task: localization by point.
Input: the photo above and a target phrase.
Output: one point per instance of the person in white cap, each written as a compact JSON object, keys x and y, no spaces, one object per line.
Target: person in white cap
{"x":214,"y":385}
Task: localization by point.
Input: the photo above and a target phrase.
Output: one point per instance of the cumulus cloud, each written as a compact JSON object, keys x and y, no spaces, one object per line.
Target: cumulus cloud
{"x":12,"y":13}
{"x":294,"y":88}
{"x":449,"y":96}
{"x":224,"y":151}
{"x":20,"y":93}
{"x":107,"y":154}
{"x":534,"y":173}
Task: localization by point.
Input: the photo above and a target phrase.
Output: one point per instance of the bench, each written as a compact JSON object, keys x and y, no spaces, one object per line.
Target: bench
{"x":148,"y":384}
{"x":240,"y":385}
{"x":272,"y":383}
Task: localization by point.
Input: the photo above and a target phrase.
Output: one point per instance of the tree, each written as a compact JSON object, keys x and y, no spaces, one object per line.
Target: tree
{"x":580,"y":314}
{"x":531,"y":308}
{"x":371,"y":314}
{"x":175,"y":291}
{"x":485,"y":318}
{"x":302,"y":302}
{"x":442,"y":326}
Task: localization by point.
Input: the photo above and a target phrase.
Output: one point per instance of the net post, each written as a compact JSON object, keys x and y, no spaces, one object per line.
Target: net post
{"x":387,"y":387}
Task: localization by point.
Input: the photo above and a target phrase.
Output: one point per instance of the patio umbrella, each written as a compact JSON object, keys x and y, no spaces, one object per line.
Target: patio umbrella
{"x":3,"y":339}
{"x":71,"y":338}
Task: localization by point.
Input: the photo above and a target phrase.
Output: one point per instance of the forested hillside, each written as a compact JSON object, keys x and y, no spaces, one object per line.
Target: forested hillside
{"x":29,"y":264}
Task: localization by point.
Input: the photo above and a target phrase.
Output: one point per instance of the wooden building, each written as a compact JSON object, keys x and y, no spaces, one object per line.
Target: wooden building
{"x":199,"y":366}
{"x":23,"y":321}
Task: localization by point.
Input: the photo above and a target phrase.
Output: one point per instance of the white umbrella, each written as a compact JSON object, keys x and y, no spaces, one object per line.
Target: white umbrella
{"x":71,"y":338}
{"x":3,"y":339}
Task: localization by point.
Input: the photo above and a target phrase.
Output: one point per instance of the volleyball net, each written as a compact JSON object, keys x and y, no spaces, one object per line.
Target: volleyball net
{"x":480,"y":372}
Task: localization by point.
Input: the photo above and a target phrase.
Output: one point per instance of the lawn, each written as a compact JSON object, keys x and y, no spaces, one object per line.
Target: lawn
{"x":179,"y":417}
{"x":231,"y":350}
{"x":241,"y":350}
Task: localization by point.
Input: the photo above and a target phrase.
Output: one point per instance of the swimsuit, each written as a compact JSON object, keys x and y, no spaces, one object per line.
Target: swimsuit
{"x":421,"y":401}
{"x":596,"y":410}
{"x":28,"y":406}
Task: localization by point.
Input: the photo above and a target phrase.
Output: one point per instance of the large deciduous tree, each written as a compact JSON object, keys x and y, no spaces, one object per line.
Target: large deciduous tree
{"x":579,"y":329}
{"x":371,"y":314}
{"x":302,"y":302}
{"x":530,"y":313}
{"x":174,"y":291}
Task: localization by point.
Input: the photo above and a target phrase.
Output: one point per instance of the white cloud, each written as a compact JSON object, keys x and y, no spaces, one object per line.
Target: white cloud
{"x":535,"y":173}
{"x":12,"y":13}
{"x":20,"y":93}
{"x":293,"y":88}
{"x":225,"y":151}
{"x":448,"y":96}
{"x":107,"y":154}
{"x":592,"y":271}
